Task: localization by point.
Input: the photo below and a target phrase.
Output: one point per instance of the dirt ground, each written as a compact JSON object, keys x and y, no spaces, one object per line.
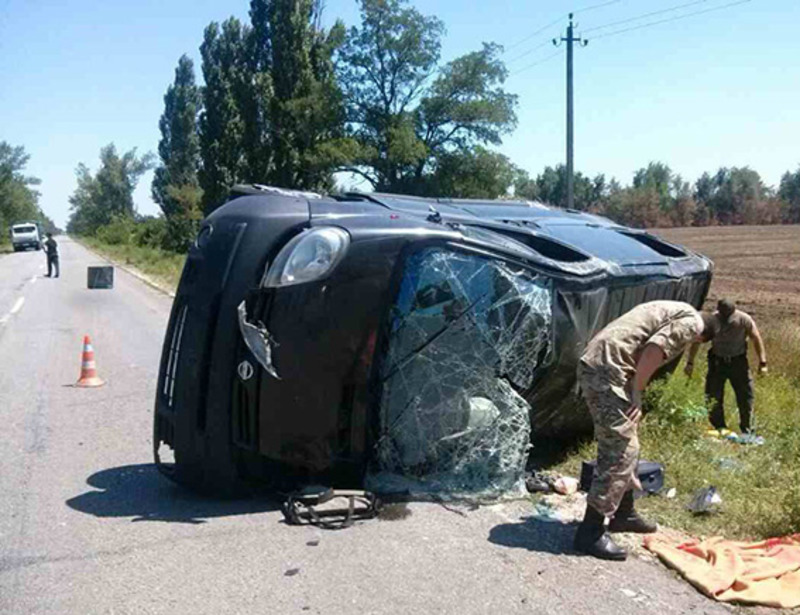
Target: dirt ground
{"x":756,"y":266}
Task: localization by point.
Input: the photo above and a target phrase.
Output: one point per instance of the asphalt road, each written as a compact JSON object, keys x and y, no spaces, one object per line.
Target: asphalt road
{"x":88,"y":526}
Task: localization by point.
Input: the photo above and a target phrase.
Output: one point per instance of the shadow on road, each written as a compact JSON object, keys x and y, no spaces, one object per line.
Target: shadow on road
{"x":536,"y":535}
{"x":139,"y":491}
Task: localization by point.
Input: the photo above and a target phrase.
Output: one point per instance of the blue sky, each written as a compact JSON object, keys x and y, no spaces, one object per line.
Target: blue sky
{"x":718,"y":89}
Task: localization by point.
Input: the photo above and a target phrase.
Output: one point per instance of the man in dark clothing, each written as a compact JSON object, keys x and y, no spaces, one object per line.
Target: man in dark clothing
{"x":727,"y":360}
{"x":51,"y":247}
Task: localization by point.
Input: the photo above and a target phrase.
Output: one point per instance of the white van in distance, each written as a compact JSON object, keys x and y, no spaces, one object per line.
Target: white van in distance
{"x":25,"y":236}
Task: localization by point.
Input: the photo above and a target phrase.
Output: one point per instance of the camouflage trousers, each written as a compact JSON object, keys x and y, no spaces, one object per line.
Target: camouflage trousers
{"x":617,"y":450}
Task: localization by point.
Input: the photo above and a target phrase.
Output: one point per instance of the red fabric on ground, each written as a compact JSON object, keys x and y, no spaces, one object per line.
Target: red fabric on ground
{"x":766,"y":572}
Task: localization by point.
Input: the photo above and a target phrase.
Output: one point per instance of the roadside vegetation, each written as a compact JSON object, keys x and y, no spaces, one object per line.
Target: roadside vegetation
{"x":139,"y":244}
{"x":19,"y":200}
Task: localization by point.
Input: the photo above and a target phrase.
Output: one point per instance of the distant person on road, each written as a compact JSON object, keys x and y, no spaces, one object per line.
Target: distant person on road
{"x":613,"y":372}
{"x":727,"y":360}
{"x":51,"y":247}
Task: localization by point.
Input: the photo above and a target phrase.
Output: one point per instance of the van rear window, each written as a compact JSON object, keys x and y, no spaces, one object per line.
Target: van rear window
{"x":24,"y":229}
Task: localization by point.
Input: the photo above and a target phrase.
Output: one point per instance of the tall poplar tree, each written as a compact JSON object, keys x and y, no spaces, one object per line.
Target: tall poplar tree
{"x":176,"y":187}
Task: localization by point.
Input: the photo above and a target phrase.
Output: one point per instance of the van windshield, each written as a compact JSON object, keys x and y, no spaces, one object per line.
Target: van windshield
{"x":24,"y":229}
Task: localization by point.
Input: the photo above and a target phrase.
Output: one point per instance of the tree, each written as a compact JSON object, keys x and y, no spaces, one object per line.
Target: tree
{"x":273,"y":111}
{"x":477,"y":173}
{"x":221,"y":122}
{"x":19,"y":201}
{"x":107,"y":195}
{"x":175,"y":187}
{"x":550,"y":187}
{"x":789,"y":192}
{"x":658,"y":177}
{"x":408,"y":115}
{"x":306,"y":135}
{"x":735,"y":196}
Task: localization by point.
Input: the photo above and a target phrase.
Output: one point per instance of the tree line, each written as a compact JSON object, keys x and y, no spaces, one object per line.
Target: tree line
{"x":19,"y":199}
{"x":289,"y":103}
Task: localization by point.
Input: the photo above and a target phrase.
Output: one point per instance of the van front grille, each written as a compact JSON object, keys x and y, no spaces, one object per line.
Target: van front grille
{"x":174,"y":355}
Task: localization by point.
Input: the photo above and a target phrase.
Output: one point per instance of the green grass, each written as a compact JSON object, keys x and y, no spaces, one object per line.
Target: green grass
{"x":759,"y":485}
{"x":162,"y":266}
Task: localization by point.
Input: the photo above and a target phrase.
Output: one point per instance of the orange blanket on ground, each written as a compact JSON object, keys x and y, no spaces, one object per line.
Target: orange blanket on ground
{"x":766,"y":572}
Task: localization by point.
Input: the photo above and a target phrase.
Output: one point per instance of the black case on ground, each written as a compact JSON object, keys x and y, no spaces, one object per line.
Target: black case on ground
{"x":651,"y":475}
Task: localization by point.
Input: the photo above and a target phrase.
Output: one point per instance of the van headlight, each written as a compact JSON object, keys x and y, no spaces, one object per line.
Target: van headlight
{"x":309,"y":256}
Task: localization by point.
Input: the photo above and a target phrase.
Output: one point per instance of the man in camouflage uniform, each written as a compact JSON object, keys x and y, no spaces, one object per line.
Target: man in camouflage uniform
{"x":727,"y":360}
{"x":613,"y":371}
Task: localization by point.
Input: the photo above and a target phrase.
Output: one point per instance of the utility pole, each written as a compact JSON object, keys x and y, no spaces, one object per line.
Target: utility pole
{"x":569,"y":40}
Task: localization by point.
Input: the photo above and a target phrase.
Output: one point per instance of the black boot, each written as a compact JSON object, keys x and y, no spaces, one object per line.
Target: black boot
{"x":592,"y":538}
{"x":627,"y":519}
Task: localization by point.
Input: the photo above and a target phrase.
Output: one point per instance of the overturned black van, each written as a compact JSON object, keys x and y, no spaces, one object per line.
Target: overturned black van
{"x":401,"y":343}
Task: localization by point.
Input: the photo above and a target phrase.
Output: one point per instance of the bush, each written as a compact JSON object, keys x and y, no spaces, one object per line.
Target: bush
{"x":118,"y":232}
{"x":150,"y":232}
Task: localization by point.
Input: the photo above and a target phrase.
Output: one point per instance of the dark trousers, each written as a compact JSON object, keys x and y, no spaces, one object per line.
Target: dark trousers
{"x":52,"y":261}
{"x":737,"y":370}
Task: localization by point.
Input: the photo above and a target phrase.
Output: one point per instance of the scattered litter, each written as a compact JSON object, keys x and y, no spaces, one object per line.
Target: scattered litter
{"x":705,"y":500}
{"x":671,"y":493}
{"x":544,"y":511}
{"x":328,"y":508}
{"x":313,"y":543}
{"x":749,"y":438}
{"x":291,"y":572}
{"x":727,"y":463}
{"x":565,"y":485}
{"x":628,"y":592}
{"x":650,"y":474}
{"x":732,"y":436}
{"x":538,"y":483}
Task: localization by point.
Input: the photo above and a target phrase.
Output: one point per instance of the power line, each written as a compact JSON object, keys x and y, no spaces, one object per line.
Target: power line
{"x":643,"y":16}
{"x":556,"y":21}
{"x":676,"y":18}
{"x":529,"y":52}
{"x":596,"y":6}
{"x":542,"y":61}
{"x":539,"y":31}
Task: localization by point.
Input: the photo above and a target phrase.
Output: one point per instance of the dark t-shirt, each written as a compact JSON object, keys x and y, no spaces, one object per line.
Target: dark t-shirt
{"x":51,"y":247}
{"x":730,"y":338}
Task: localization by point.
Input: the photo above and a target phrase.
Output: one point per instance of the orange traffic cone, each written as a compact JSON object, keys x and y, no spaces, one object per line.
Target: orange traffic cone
{"x":88,"y":368}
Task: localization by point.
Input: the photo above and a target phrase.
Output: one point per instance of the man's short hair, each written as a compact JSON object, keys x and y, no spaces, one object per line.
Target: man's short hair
{"x":708,"y":326}
{"x":49,"y":234}
{"x":726,"y":308}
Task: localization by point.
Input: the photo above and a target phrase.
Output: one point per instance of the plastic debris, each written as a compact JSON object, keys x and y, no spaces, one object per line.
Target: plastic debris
{"x":704,"y":501}
{"x":544,"y":511}
{"x":671,"y":493}
{"x":565,"y":485}
{"x":258,"y":340}
{"x":749,"y":438}
{"x":727,"y":463}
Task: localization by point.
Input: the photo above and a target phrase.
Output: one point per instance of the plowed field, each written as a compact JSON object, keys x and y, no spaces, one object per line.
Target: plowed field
{"x":756,"y":266}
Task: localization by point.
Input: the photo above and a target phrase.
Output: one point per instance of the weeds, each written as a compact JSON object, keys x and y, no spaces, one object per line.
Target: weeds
{"x":164,"y":266}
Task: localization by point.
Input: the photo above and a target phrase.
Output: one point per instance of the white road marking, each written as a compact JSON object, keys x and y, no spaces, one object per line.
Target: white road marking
{"x":33,"y":280}
{"x":41,"y":267}
{"x":18,"y":305}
